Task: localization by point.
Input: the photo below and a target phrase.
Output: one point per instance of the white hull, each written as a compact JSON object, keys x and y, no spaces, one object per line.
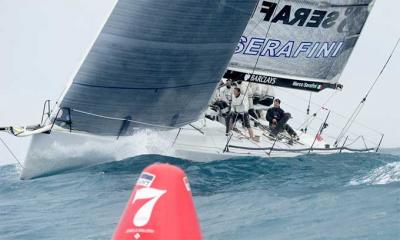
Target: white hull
{"x":60,"y":150}
{"x":205,"y":141}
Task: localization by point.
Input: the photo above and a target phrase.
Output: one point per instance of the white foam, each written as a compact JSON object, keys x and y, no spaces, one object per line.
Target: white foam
{"x":143,"y":142}
{"x":383,"y":175}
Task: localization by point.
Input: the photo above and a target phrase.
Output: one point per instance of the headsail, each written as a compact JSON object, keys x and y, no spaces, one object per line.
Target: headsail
{"x":301,"y":44}
{"x":155,"y":63}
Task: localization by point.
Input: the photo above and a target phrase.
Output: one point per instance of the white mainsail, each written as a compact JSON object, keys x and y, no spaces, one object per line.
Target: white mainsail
{"x":301,"y":44}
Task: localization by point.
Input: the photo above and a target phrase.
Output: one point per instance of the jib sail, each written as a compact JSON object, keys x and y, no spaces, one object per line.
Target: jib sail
{"x":301,"y":44}
{"x":154,"y":64}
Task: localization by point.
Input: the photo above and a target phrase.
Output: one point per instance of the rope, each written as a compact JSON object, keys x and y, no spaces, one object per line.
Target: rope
{"x":123,"y":119}
{"x":360,"y":106}
{"x":309,"y":120}
{"x":321,"y":107}
{"x":11,"y":152}
{"x":315,"y":116}
{"x":302,"y":149}
{"x":350,"y":122}
{"x":354,"y":141}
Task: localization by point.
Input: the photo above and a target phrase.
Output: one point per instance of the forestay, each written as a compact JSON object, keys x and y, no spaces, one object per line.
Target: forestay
{"x":154,"y":64}
{"x":301,"y":44}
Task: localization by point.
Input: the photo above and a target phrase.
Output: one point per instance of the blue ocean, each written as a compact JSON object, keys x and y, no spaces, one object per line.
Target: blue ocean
{"x":342,"y":196}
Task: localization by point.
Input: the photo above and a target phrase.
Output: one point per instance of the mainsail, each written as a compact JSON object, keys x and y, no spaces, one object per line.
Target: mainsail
{"x":301,"y":44}
{"x":154,"y":64}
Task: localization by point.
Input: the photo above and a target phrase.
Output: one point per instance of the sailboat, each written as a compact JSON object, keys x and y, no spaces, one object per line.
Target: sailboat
{"x":155,"y":66}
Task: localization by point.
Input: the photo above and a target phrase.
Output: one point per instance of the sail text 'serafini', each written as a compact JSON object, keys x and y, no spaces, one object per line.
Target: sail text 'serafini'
{"x":302,"y":44}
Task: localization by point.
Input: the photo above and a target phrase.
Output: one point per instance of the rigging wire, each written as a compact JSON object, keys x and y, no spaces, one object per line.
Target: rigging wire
{"x":258,"y":57}
{"x":315,"y":116}
{"x":309,"y":103}
{"x":323,"y":107}
{"x":309,"y":120}
{"x":360,"y":106}
{"x":308,"y":111}
{"x":11,"y":152}
{"x":333,"y":138}
{"x":248,"y":85}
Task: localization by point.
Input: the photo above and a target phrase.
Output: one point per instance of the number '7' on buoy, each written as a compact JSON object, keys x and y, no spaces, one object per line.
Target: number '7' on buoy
{"x":160,"y":207}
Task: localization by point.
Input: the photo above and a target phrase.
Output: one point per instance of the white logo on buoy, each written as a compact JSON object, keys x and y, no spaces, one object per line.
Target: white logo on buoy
{"x":146,"y":179}
{"x":143,"y":215}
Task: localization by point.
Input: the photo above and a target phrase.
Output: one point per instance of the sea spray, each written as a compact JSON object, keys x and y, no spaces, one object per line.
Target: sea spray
{"x":143,"y":142}
{"x":386,"y":174}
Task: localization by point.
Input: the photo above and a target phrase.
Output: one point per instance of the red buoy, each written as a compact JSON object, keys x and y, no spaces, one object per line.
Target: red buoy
{"x":160,"y":207}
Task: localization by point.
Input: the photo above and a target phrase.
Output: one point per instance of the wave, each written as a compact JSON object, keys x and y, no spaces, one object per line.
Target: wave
{"x":282,"y":198}
{"x":387,"y":174}
{"x":298,"y":175}
{"x":392,"y":151}
{"x":312,"y":172}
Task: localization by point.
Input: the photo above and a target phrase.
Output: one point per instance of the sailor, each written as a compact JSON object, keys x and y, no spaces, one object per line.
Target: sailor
{"x":277,"y":119}
{"x":263,"y":94}
{"x":247,"y":89}
{"x":225,"y":93}
{"x":252,"y":112}
{"x":224,"y":101}
{"x":239,"y":111}
{"x":221,"y":101}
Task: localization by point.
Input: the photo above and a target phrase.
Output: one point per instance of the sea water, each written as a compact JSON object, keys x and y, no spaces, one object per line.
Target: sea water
{"x":340,"y":196}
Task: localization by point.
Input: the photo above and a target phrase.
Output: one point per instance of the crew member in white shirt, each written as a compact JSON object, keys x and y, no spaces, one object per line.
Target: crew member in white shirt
{"x":239,"y":111}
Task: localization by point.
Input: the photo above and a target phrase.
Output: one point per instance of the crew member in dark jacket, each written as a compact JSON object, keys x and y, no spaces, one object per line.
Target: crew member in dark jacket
{"x":277,"y":119}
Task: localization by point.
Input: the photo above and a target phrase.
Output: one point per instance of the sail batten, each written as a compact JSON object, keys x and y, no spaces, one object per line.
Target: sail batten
{"x":143,"y":88}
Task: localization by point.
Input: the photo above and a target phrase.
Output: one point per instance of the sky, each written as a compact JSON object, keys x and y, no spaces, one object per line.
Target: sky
{"x":43,"y":43}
